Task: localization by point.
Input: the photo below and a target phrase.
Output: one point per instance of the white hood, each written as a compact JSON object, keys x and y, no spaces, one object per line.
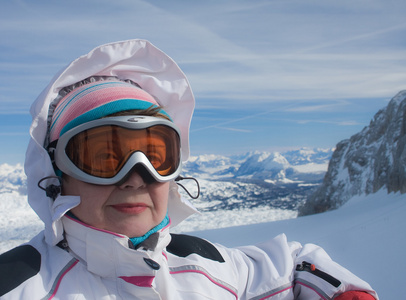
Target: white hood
{"x":137,"y":60}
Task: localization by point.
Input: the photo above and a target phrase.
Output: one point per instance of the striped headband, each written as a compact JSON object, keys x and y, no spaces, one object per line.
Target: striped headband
{"x":96,"y":100}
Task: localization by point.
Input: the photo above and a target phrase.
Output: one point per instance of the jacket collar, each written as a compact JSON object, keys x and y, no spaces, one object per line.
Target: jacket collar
{"x":108,"y":254}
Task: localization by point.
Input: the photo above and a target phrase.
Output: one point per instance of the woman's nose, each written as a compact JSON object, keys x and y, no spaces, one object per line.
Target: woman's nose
{"x":133,"y":181}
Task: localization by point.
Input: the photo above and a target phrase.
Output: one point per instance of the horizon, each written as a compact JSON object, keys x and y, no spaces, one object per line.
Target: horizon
{"x":267,"y":75}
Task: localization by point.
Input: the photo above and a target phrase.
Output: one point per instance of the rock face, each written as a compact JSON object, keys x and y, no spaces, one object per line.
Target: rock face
{"x":370,"y":160}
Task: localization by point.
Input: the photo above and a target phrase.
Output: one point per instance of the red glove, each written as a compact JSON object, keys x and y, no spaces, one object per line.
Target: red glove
{"x":355,"y":295}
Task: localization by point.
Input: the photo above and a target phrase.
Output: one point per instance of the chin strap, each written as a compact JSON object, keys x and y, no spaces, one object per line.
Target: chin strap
{"x":52,"y":191}
{"x":181,"y":185}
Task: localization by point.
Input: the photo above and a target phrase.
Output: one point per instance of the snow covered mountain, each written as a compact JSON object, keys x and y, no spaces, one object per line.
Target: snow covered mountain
{"x":299,"y":166}
{"x":256,"y":193}
{"x":370,"y":160}
{"x":264,"y":186}
{"x":292,"y":166}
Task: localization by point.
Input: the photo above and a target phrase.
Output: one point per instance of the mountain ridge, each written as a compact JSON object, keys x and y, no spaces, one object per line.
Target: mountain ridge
{"x":368,"y":161}
{"x":224,"y":185}
{"x":261,"y":165}
{"x":253,"y":165}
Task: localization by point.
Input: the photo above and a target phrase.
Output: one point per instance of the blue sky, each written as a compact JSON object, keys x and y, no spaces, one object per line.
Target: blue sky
{"x":267,"y":75}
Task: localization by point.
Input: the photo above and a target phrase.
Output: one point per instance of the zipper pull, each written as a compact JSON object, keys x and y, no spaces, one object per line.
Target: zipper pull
{"x":311,"y":268}
{"x":305,"y":266}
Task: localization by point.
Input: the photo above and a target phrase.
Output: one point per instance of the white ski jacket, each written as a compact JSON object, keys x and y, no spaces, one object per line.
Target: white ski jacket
{"x":71,"y":260}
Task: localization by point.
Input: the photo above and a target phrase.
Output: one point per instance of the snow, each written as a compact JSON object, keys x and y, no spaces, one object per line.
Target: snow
{"x":18,"y":222}
{"x":231,"y":218}
{"x":311,"y":168}
{"x":366,"y":235}
{"x":282,"y":180}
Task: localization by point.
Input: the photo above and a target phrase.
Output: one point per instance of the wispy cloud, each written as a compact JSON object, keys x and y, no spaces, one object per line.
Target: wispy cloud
{"x":293,"y":58}
{"x":240,"y":119}
{"x":231,"y":51}
{"x":233,"y":129}
{"x":306,"y":107}
{"x":368,"y":35}
{"x":334,"y":122}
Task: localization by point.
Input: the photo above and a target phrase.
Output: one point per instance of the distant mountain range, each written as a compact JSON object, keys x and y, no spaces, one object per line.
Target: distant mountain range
{"x":292,"y":166}
{"x":280,"y":180}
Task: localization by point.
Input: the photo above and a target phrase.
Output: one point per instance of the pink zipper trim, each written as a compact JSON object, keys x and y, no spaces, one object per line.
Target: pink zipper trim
{"x":98,"y":229}
{"x":199,"y":270}
{"x":61,"y":276}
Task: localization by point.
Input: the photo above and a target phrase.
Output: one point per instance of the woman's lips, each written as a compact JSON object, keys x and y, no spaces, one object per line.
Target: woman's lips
{"x":128,"y":208}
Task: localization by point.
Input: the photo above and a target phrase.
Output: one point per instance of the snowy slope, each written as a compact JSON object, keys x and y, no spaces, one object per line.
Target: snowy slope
{"x":367,"y":235}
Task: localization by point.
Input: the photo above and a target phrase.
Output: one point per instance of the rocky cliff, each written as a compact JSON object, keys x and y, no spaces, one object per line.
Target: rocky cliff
{"x":370,"y":160}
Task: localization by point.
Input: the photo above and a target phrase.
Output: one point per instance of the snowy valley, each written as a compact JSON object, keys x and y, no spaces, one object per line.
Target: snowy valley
{"x":224,"y":196}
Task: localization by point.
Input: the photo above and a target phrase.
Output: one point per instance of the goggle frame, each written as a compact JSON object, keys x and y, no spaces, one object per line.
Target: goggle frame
{"x":135,"y":122}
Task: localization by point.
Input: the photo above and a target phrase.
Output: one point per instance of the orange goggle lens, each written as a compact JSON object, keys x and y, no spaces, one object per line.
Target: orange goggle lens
{"x":103,"y":151}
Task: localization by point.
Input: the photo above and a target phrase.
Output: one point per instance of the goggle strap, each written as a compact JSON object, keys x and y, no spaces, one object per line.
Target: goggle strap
{"x":51,"y":152}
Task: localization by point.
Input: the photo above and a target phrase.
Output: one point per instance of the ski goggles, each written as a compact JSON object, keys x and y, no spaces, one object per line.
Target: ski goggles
{"x":105,"y":151}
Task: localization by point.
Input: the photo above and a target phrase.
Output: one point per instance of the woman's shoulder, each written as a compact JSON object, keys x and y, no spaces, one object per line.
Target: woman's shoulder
{"x":23,"y":265}
{"x":18,"y":265}
{"x":183,"y":245}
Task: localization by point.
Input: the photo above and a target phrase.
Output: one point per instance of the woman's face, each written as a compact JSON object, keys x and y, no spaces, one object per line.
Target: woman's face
{"x":132,"y":208}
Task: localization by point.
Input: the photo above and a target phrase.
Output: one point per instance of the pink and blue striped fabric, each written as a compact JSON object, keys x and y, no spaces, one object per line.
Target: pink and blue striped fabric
{"x":96,"y":100}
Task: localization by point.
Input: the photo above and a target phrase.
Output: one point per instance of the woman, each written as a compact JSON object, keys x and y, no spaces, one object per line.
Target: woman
{"x":107,"y":140}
